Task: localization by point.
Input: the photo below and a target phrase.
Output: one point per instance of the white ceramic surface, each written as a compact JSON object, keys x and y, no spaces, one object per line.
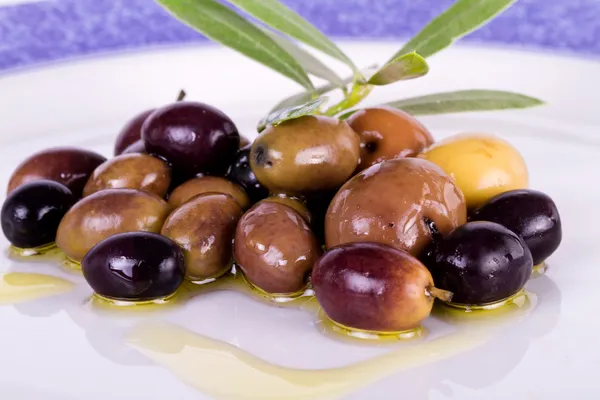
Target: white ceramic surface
{"x":62,"y":348}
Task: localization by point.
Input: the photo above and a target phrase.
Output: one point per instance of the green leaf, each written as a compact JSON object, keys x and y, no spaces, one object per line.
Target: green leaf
{"x":225,"y":26}
{"x":463,"y":17}
{"x":285,"y":114}
{"x":407,"y":66}
{"x":464,"y":101}
{"x":310,"y":63}
{"x":285,"y":20}
{"x":303,"y":97}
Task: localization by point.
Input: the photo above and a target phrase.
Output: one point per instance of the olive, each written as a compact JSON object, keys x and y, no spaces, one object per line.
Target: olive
{"x":480,"y":262}
{"x":106,"y":213}
{"x":135,"y":147}
{"x":241,"y":173}
{"x":134,"y":266}
{"x":387,"y":133}
{"x":374,"y":287}
{"x":244,"y":141}
{"x":528,"y":213}
{"x":275,"y":248}
{"x":204,"y":228}
{"x":31,"y":213}
{"x":67,"y":165}
{"x":193,"y":137}
{"x":291,"y":202}
{"x":132,"y":171}
{"x":317,"y":204}
{"x":481,"y":165}
{"x":208,"y":184}
{"x":131,"y":132}
{"x":306,"y":154}
{"x":396,"y":202}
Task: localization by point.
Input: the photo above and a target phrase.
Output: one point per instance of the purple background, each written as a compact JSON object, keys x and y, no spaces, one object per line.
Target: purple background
{"x":54,"y":30}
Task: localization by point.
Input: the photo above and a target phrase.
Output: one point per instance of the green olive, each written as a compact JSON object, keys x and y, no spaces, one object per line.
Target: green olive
{"x":306,"y":154}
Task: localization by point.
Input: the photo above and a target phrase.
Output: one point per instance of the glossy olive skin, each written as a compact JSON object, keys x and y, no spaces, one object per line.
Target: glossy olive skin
{"x":204,"y":227}
{"x":292,"y":202}
{"x":482,"y":165}
{"x":306,"y":154}
{"x":387,"y":133}
{"x":67,"y":165}
{"x":275,"y":248}
{"x":193,"y":137}
{"x":134,"y":266}
{"x":480,"y":262}
{"x":393,"y":202}
{"x":131,"y":171}
{"x":208,"y":184}
{"x":373,"y":287}
{"x":530,"y":214}
{"x":107,"y":213}
{"x":136,"y":147}
{"x":241,"y":173}
{"x":31,"y":213}
{"x":131,"y":132}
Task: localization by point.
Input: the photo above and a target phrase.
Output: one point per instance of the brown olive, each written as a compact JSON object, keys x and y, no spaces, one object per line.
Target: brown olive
{"x":387,"y":133}
{"x":67,"y":165}
{"x":275,"y":248}
{"x":292,"y":202}
{"x":131,"y":132}
{"x":244,"y":141}
{"x":208,"y":184}
{"x":107,"y":213}
{"x":401,"y":202}
{"x":306,"y":154}
{"x":131,"y":171}
{"x":204,"y":228}
{"x":374,"y":287}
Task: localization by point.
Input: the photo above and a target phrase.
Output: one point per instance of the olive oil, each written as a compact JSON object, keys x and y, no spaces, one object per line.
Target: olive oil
{"x":42,"y":253}
{"x":539,"y":270}
{"x":18,"y":287}
{"x":487,"y":306}
{"x":328,"y":326}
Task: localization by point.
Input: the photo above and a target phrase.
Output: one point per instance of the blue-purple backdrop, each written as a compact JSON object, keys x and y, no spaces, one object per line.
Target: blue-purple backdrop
{"x":57,"y":29}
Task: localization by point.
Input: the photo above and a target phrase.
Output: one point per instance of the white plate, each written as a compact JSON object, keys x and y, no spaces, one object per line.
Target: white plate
{"x":60,"y":347}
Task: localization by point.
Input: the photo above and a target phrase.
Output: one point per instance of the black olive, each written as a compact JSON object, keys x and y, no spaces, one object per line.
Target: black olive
{"x":241,"y":173}
{"x":528,"y":213}
{"x":134,"y":266}
{"x":480,"y":262}
{"x":32,"y":212}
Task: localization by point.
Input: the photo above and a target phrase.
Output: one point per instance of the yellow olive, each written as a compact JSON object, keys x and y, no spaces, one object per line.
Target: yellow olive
{"x":131,"y":171}
{"x":208,"y":184}
{"x":106,"y":213}
{"x":204,"y":227}
{"x":481,"y":165}
{"x":304,"y":155}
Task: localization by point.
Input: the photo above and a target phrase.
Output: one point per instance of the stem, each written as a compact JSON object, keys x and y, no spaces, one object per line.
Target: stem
{"x":444,"y":295}
{"x":181,"y":95}
{"x":358,"y":94}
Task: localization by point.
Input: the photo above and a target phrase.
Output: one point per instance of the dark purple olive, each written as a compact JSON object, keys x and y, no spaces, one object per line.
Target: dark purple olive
{"x":528,"y":213}
{"x":135,"y":147}
{"x":31,"y":213}
{"x":480,"y":262}
{"x":131,"y":132}
{"x":194,"y":137}
{"x":241,"y":173}
{"x":67,"y":165}
{"x":317,"y":204}
{"x":134,"y":266}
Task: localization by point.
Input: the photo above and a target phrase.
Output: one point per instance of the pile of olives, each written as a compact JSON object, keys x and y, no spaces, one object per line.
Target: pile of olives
{"x":369,"y":212}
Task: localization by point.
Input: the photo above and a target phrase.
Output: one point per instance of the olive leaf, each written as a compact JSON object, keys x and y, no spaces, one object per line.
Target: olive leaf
{"x":303,"y":97}
{"x":465,"y":101}
{"x":223,"y":25}
{"x":310,"y":63}
{"x":285,"y":114}
{"x":407,"y":66}
{"x":283,"y":19}
{"x":463,"y":17}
